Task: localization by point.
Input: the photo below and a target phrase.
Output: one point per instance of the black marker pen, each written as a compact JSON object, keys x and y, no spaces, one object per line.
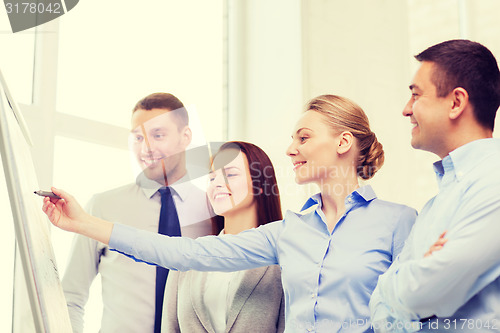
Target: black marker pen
{"x":47,"y":194}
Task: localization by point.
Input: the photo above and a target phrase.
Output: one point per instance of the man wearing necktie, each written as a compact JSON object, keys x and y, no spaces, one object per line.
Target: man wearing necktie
{"x":162,"y":200}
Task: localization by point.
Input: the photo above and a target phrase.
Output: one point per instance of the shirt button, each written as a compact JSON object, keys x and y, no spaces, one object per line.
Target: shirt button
{"x":313,"y":295}
{"x":310,"y":329}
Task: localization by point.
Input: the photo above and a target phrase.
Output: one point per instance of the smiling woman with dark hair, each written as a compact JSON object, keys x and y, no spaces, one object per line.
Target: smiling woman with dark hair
{"x":244,"y":195}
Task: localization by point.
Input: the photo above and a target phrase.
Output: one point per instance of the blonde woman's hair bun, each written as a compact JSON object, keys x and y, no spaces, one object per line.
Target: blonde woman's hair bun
{"x":371,"y":158}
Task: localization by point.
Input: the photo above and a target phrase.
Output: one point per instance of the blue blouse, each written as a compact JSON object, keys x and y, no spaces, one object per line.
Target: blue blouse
{"x":327,"y":277}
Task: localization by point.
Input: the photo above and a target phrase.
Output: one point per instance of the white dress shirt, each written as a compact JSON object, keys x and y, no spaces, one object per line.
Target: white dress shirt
{"x":128,"y":287}
{"x":220,"y":289}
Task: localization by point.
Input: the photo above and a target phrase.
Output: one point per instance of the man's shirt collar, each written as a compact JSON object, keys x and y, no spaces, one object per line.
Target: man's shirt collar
{"x":462,"y":160}
{"x":150,"y":187}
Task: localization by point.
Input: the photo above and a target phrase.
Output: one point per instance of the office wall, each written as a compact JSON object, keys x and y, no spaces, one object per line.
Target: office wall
{"x":265,"y":82}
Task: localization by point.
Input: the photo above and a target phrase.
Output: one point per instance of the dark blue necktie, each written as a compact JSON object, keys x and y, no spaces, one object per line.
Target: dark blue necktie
{"x":169,"y":225}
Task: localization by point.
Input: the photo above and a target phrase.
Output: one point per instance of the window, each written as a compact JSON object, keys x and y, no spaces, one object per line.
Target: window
{"x":113,"y":53}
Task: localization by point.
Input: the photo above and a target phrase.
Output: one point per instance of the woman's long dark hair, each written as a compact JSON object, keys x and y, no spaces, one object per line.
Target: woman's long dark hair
{"x":264,"y":185}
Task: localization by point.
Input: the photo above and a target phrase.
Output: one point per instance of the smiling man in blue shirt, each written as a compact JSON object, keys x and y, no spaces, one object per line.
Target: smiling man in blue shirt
{"x":455,"y":97}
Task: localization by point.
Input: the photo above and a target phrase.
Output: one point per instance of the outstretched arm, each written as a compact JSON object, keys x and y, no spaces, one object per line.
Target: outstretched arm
{"x":67,"y":214}
{"x":249,"y":249}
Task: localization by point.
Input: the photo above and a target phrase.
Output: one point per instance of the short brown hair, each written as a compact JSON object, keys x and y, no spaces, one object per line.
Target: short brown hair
{"x":164,"y":101}
{"x":471,"y":66}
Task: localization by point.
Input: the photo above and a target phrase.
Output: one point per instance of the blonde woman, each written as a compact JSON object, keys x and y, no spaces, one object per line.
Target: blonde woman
{"x":331,"y":253}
